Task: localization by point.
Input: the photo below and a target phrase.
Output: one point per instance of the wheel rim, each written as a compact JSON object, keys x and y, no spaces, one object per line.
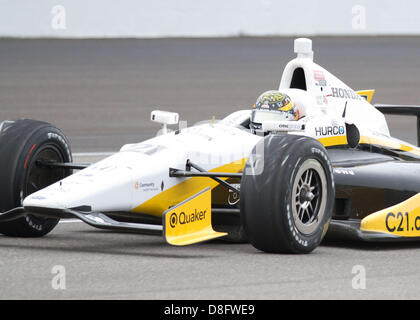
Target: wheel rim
{"x":41,"y":177}
{"x":309,"y":196}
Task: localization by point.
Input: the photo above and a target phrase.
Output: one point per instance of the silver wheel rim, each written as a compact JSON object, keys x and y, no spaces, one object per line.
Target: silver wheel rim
{"x":309,"y":196}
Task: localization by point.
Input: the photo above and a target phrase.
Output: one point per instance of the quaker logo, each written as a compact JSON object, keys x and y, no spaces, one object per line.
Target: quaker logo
{"x":329,"y":131}
{"x":344,"y":94}
{"x":185,"y":218}
{"x":173,"y":220}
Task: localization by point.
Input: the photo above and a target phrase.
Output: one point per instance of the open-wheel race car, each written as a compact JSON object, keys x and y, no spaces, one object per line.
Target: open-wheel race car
{"x":281,"y":184}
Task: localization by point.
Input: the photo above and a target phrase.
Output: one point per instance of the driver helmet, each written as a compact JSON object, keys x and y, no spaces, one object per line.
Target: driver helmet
{"x":273,"y":106}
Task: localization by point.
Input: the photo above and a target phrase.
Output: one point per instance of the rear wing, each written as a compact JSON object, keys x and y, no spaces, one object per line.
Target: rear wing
{"x":367,"y":94}
{"x":403,"y":110}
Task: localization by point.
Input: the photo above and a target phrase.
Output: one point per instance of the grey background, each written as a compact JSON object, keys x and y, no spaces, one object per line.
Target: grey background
{"x":101,"y":92}
{"x":216,"y":18}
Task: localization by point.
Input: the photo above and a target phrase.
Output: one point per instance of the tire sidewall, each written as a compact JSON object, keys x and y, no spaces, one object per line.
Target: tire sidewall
{"x":266,"y":198}
{"x":44,"y":136}
{"x":300,"y":242}
{"x":20,"y":143}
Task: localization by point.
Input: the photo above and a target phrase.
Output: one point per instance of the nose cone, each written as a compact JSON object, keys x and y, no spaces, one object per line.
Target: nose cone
{"x":104,"y":186}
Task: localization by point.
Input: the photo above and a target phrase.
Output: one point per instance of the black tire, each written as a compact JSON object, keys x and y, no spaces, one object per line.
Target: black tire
{"x":22,"y":143}
{"x":231,"y":224}
{"x":277,"y":218}
{"x":236,"y":235}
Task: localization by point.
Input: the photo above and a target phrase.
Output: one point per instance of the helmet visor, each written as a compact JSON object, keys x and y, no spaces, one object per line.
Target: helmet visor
{"x":261,"y":116}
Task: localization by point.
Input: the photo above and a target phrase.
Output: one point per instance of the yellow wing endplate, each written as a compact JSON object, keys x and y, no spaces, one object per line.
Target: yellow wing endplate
{"x":190,"y":221}
{"x":367,"y":94}
{"x":401,"y":220}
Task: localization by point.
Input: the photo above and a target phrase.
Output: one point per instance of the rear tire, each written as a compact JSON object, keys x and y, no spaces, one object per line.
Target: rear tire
{"x":287,"y":204}
{"x":22,"y":143}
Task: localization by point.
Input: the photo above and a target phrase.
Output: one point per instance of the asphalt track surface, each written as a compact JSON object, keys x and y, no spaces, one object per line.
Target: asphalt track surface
{"x":100,"y":92}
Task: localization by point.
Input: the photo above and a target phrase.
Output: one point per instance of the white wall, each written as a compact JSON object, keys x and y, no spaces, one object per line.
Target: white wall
{"x":207,"y":18}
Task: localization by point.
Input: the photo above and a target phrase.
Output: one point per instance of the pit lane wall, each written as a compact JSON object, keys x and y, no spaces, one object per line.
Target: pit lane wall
{"x":206,"y":18}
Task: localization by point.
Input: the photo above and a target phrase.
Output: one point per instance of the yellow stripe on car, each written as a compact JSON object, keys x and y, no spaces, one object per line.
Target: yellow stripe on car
{"x":388,"y":143}
{"x":185,"y":189}
{"x":178,"y":193}
{"x":333,"y":141}
{"x":385,"y":143}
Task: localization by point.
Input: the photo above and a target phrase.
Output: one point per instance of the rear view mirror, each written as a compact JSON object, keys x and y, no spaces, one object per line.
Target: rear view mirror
{"x":165,"y":118}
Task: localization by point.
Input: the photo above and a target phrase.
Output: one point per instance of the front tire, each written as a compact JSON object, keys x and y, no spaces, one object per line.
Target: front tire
{"x":287,"y":195}
{"x":22,"y":143}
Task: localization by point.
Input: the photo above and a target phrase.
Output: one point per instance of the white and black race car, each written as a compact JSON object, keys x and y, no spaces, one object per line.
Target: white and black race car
{"x":336,"y":170}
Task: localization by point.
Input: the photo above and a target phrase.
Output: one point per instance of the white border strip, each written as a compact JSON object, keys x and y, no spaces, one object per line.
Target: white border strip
{"x":70,"y":221}
{"x":93,"y":154}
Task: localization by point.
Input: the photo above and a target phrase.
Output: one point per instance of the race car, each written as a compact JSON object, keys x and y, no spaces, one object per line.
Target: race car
{"x":329,"y":168}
